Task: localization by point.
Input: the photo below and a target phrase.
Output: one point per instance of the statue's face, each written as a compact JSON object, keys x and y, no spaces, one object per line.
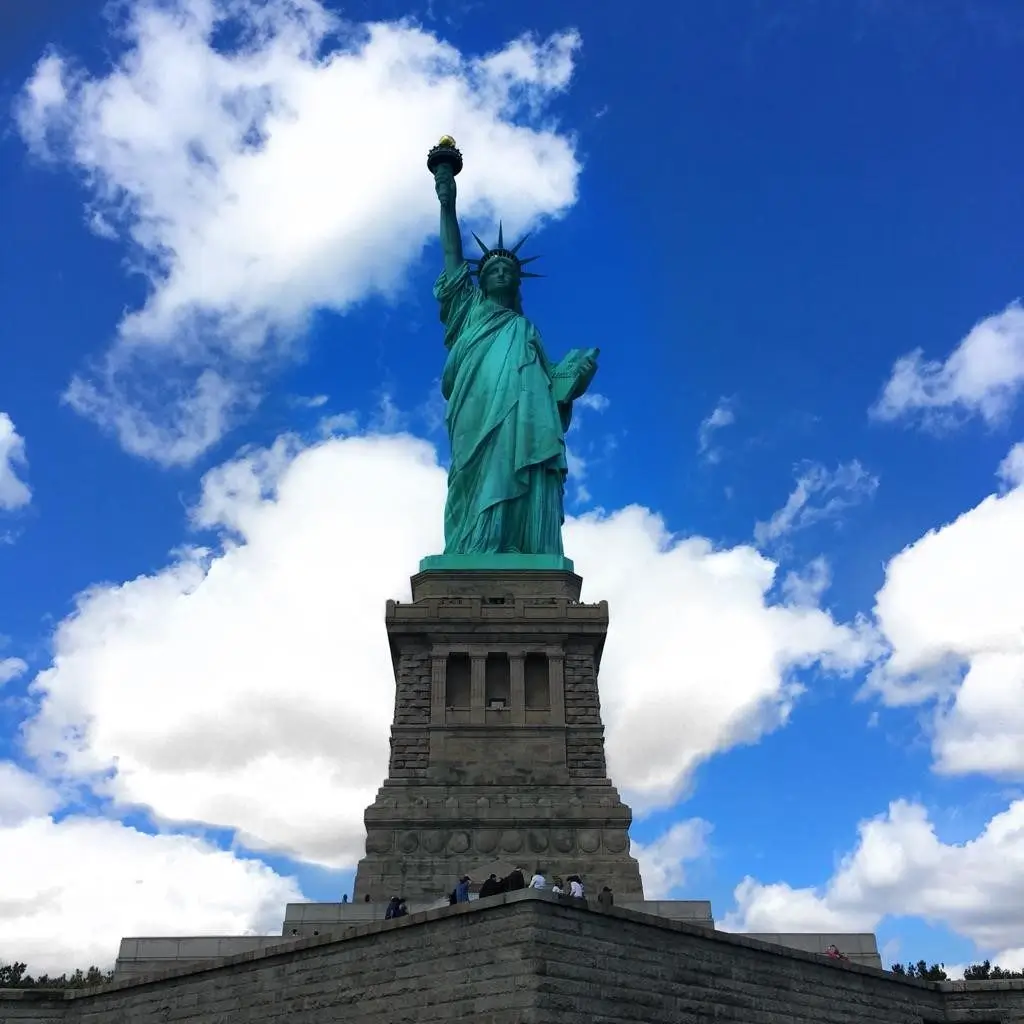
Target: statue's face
{"x":500,"y":277}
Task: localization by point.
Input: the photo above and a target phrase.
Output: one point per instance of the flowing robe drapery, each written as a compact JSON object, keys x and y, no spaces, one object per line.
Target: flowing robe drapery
{"x":507,"y":429}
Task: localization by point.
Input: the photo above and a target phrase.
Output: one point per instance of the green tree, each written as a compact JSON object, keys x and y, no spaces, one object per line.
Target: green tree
{"x":921,"y":970}
{"x":16,"y":976}
{"x":985,"y":971}
{"x":13,"y":975}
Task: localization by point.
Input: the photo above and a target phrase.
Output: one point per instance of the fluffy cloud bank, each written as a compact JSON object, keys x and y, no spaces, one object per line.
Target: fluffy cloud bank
{"x":272,"y":179}
{"x":70,"y":890}
{"x":952,"y":608}
{"x":663,"y":862}
{"x":952,"y":605}
{"x":248,"y":684}
{"x":14,"y":492}
{"x":900,"y":867}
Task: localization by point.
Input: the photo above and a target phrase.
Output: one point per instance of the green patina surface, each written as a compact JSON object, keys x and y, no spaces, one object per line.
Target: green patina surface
{"x":496,"y":562}
{"x":508,"y":404}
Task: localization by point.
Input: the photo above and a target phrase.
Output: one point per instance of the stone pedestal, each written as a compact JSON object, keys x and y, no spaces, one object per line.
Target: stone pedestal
{"x":497,"y":746}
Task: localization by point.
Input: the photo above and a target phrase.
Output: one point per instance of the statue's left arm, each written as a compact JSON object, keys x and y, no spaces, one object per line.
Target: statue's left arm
{"x":572,"y":376}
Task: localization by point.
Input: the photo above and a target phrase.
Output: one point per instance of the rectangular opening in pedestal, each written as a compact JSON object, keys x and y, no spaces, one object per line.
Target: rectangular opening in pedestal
{"x":457,"y":682}
{"x":497,"y":682}
{"x":537,"y":682}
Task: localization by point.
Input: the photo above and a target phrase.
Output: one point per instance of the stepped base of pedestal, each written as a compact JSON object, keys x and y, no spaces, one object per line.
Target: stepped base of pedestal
{"x":307,"y":920}
{"x":422,"y":839}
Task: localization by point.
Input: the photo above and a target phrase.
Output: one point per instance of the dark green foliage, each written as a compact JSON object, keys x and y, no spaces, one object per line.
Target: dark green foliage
{"x":921,"y":970}
{"x":986,"y":972}
{"x":15,"y":976}
{"x":936,"y":972}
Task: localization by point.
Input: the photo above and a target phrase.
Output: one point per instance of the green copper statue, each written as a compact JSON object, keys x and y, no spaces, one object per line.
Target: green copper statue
{"x":508,"y":405}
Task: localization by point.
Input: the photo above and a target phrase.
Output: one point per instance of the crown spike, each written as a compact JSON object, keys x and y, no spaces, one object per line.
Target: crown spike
{"x":515,"y":248}
{"x":501,"y":237}
{"x":483,"y":248}
{"x":526,"y":273}
{"x":529,"y":259}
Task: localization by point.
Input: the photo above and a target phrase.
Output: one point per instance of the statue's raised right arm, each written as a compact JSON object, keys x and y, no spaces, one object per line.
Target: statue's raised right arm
{"x":451,"y":236}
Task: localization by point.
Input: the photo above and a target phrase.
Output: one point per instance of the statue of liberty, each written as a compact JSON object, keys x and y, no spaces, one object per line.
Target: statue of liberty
{"x":508,"y":405}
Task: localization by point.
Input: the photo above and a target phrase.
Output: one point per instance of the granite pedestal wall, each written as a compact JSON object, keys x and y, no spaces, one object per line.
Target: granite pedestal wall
{"x":139,"y":956}
{"x":526,"y":958}
{"x":497,"y":746}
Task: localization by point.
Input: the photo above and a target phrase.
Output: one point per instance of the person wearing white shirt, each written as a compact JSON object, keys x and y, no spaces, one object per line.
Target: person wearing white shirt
{"x":537,"y":882}
{"x":576,"y":887}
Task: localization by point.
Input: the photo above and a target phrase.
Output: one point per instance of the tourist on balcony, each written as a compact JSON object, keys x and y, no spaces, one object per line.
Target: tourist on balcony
{"x":491,"y":887}
{"x":516,"y":880}
{"x":392,"y":907}
{"x":576,"y":887}
{"x":538,"y":881}
{"x":462,"y":890}
{"x":605,"y":898}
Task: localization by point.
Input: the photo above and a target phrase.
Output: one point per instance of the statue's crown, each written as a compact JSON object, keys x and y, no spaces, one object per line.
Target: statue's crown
{"x":499,"y":250}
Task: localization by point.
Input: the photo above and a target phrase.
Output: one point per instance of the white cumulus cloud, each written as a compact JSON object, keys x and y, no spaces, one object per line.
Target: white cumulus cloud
{"x":663,"y":861}
{"x":952,"y":610}
{"x":23,"y":795}
{"x":70,"y":890}
{"x":900,"y":867}
{"x":808,"y":586}
{"x":258,"y":182}
{"x":14,"y":492}
{"x":248,"y":684}
{"x":1011,"y":469}
{"x":982,"y":377}
{"x":820,"y":494}
{"x":11,"y":668}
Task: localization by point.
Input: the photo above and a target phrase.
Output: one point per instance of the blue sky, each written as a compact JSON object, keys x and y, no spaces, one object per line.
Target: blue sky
{"x":221,"y":445}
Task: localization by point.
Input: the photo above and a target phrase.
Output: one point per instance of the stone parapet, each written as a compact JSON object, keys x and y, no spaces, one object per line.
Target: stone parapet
{"x":312,"y":919}
{"x":526,"y":958}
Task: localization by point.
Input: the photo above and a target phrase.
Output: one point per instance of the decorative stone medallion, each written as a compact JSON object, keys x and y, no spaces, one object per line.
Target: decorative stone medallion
{"x":459,"y":842}
{"x":487,"y":840}
{"x":432,"y":841}
{"x":538,"y":841}
{"x":561,"y":839}
{"x":589,"y":840}
{"x":616,"y":841}
{"x":511,"y":841}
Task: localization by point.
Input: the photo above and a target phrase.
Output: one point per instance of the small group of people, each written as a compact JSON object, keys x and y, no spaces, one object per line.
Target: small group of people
{"x":491,"y":886}
{"x":572,"y":886}
{"x":832,"y":951}
{"x":396,"y":908}
{"x":516,"y":879}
